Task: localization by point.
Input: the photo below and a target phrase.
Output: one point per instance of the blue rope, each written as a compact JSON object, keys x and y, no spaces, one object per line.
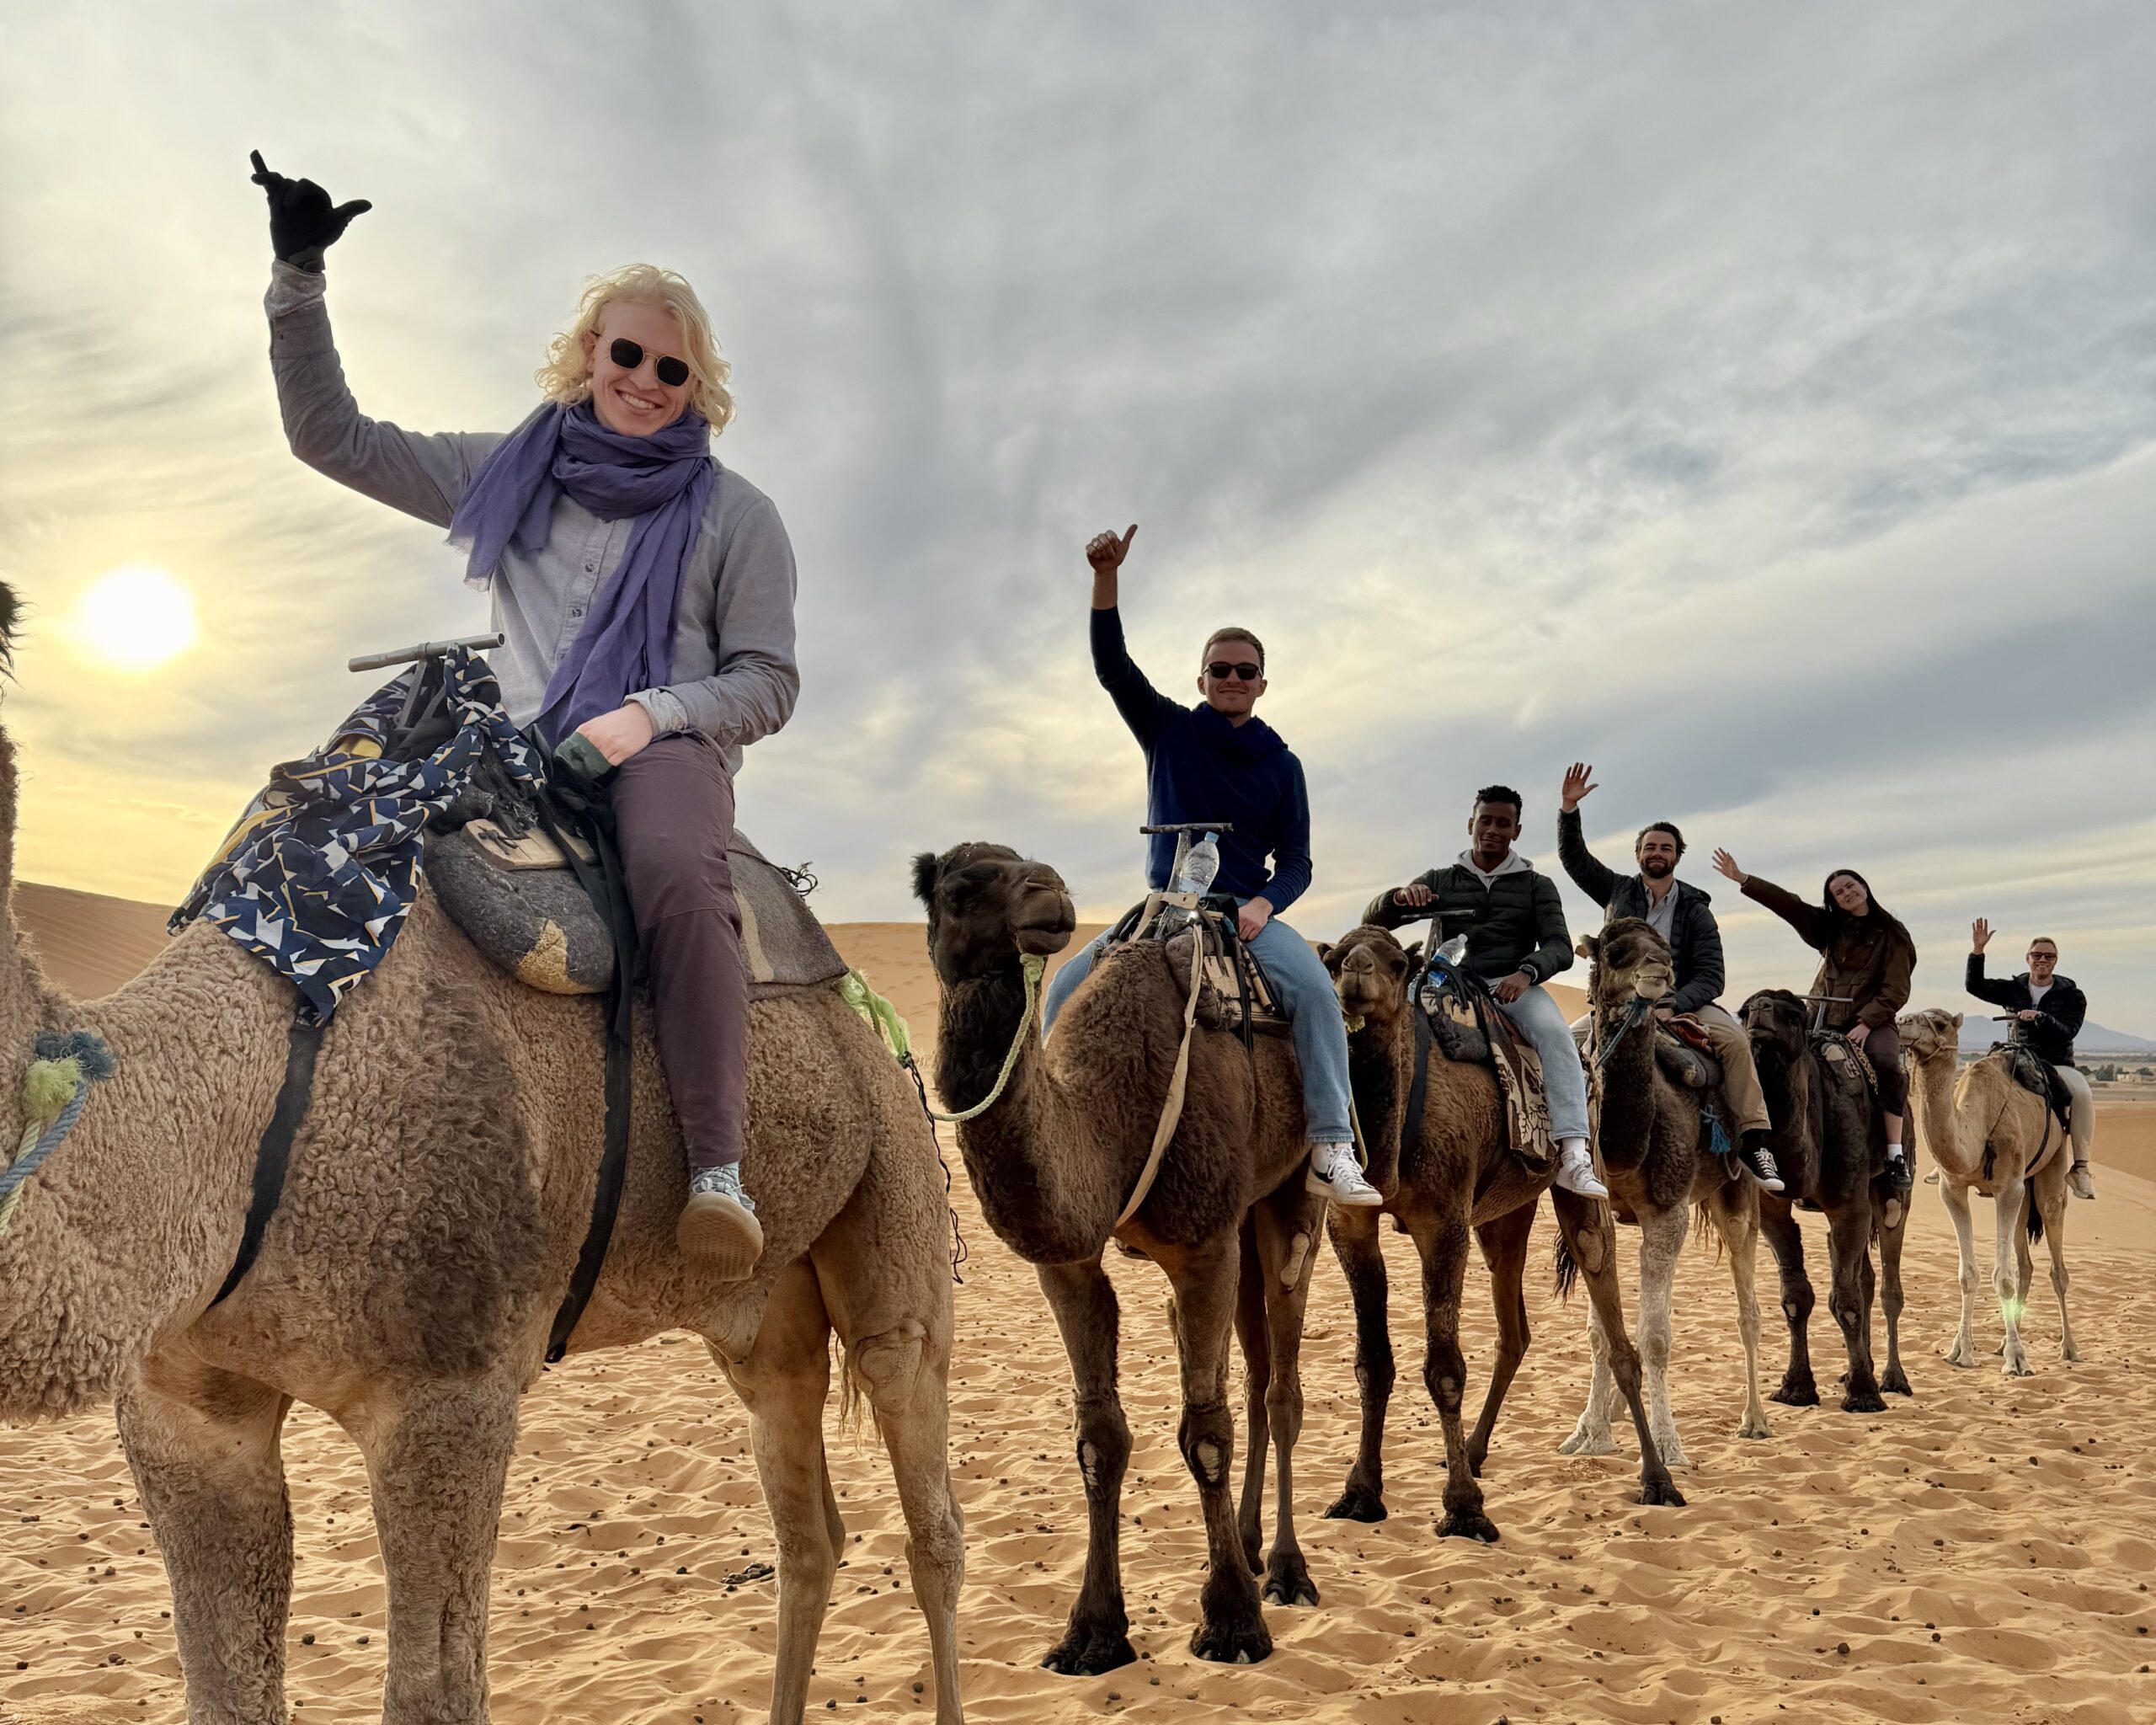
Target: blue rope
{"x":13,"y":1177}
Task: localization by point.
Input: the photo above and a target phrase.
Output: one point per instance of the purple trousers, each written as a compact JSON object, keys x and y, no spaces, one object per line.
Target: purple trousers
{"x":673,"y":817}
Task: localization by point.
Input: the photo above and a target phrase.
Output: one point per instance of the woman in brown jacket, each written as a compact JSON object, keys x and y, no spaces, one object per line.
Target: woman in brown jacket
{"x":1865,"y":958}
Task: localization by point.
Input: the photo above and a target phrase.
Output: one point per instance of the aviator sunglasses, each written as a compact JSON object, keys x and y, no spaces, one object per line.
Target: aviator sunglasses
{"x":629,"y":355}
{"x":1220,"y":670}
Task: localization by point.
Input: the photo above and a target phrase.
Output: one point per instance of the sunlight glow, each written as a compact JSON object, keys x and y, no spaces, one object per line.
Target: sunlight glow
{"x":136,"y":618}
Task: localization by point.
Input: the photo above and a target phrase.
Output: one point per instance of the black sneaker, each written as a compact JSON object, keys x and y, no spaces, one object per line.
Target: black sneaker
{"x":1759,"y":1161}
{"x":1901,"y":1177}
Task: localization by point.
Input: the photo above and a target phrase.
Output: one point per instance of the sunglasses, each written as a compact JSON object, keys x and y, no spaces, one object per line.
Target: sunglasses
{"x":1220,"y":670}
{"x":629,"y":355}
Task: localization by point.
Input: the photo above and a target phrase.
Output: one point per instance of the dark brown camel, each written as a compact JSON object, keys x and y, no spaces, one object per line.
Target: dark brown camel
{"x":1657,"y":1167}
{"x":1830,"y":1143}
{"x":1054,"y":1162}
{"x":1458,"y":1173}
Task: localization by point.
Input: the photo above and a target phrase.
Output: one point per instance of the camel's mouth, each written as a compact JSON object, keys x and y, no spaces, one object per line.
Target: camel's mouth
{"x":1048,"y":930}
{"x":1366,"y":996}
{"x":1652,"y":985}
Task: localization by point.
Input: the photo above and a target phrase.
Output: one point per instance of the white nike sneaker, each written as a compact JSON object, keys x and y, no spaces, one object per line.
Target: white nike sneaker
{"x":1335,"y":1173}
{"x":1576,"y":1173}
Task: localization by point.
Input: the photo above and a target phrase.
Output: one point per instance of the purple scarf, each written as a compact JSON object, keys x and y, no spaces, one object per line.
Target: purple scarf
{"x":663,"y":481}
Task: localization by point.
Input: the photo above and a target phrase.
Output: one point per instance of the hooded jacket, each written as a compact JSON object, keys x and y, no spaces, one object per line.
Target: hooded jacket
{"x":1694,"y":937}
{"x":1515,"y":921}
{"x":1199,"y":766}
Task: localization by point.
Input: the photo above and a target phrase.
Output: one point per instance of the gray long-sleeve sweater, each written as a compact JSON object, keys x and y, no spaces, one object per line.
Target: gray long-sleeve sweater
{"x":734,"y":674}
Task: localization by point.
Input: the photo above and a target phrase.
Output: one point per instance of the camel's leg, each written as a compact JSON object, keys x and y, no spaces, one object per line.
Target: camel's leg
{"x":1591,"y":1237}
{"x":784,"y":1384}
{"x":1442,"y":1240}
{"x":1893,"y":1381}
{"x":203,"y":1448}
{"x":1848,"y":1250}
{"x":2008,"y":1286}
{"x":1956,"y":1197}
{"x":1591,"y":1434}
{"x":1504,"y":1251}
{"x":1098,"y":1637}
{"x":1777,"y":1226}
{"x":1362,"y":1261}
{"x":1251,"y":1335}
{"x":1231,"y":1623}
{"x":1280,"y":1219}
{"x":1661,"y":1242}
{"x":437,"y":1455}
{"x":1736,"y":1212}
{"x":2052,"y":1209}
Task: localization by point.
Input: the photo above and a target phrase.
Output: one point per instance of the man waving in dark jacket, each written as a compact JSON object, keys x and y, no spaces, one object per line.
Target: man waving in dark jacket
{"x":2048,"y":1010}
{"x":1682,"y":914}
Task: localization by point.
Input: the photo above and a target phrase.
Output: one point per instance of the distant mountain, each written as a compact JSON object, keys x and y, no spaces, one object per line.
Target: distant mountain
{"x":1979,"y":1033}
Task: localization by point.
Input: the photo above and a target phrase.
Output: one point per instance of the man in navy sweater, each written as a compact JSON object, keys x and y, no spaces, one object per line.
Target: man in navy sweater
{"x":1216,"y":761}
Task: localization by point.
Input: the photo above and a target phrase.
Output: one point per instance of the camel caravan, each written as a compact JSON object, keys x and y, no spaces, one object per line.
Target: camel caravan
{"x":486,"y":1041}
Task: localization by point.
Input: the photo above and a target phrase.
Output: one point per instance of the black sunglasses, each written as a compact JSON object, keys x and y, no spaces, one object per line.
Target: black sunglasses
{"x":629,"y":355}
{"x":1221,"y":670}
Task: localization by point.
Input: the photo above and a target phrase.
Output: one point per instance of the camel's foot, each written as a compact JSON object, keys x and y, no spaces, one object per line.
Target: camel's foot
{"x":1962,"y":1353}
{"x":1660,"y":1488}
{"x":1895,"y":1381}
{"x":1588,"y":1440}
{"x":1798,"y":1390}
{"x":1673,"y":1454}
{"x":1755,"y":1424}
{"x":1235,"y":1636}
{"x":1288,"y":1580}
{"x":1086,"y":1650}
{"x":1468,"y":1522}
{"x":2016,"y":1364}
{"x":2070,"y":1353}
{"x":1864,"y":1401}
{"x":1357,"y":1503}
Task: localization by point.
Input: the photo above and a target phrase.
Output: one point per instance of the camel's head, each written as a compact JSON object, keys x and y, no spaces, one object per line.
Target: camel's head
{"x":1934,"y":1033}
{"x":1369,"y":973}
{"x":987,"y":905}
{"x":1777,"y":1022}
{"x":1630,"y":961}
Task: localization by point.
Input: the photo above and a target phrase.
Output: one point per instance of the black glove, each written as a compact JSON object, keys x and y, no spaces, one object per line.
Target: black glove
{"x":302,"y":222}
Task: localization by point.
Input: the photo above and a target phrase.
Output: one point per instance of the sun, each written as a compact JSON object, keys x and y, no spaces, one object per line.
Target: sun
{"x":136,"y":618}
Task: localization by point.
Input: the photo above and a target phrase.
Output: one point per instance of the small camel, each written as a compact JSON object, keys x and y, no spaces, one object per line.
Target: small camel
{"x":437,"y":1198}
{"x":1055,"y":1161}
{"x":1830,"y":1143}
{"x":1986,"y":1134}
{"x":1658,"y":1165}
{"x":1457,"y":1173}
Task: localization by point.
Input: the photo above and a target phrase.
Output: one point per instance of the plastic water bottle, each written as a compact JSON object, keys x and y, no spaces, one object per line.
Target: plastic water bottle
{"x":1444,"y":964}
{"x":1200,"y":863}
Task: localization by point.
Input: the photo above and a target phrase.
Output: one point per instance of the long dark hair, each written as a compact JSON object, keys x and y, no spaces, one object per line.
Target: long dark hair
{"x":1839,"y":919}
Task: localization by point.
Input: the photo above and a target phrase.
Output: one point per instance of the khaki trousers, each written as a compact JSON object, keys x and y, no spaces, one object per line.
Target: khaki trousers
{"x":1740,"y":1078}
{"x":2084,"y":1110}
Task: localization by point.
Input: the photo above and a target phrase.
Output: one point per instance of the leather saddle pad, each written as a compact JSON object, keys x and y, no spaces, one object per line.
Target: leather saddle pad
{"x":516,"y":898}
{"x":1685,"y":1063}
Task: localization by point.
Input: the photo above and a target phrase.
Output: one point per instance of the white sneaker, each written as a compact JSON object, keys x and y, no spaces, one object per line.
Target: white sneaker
{"x":2079,"y":1183}
{"x":1335,"y":1173}
{"x":1576,"y":1173}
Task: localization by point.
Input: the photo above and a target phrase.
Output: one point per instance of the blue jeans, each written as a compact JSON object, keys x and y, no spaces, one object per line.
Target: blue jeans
{"x":1304,"y":986}
{"x":1538,"y":1017}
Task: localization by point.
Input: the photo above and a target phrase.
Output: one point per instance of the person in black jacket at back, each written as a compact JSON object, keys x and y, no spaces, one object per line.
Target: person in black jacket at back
{"x":1684,"y":915}
{"x":2048,"y":1010}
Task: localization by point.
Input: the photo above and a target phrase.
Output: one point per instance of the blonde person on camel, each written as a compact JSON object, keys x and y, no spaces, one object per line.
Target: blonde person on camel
{"x":646,"y":594}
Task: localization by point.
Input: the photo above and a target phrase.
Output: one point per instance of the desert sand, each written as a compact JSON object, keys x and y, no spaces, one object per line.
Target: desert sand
{"x":1983,"y":1550}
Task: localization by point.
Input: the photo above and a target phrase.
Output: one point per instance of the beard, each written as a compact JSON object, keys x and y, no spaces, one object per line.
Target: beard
{"x":1656,"y":869}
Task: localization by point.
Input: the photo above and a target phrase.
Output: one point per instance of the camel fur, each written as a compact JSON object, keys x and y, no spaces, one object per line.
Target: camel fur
{"x":1830,"y":1143}
{"x":1459,"y":1175}
{"x":1986,"y":1134}
{"x":1227,"y":1221}
{"x":437,"y":1198}
{"x":1656,"y":1164}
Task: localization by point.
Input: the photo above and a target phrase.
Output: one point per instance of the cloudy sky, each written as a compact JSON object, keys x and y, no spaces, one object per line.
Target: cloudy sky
{"x":1758,"y":400}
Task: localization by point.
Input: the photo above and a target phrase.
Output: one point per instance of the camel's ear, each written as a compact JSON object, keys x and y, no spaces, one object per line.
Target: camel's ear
{"x":1957,"y":1021}
{"x":1415,"y":955}
{"x":1325,"y":951}
{"x":1590,"y":947}
{"x":925,"y":869}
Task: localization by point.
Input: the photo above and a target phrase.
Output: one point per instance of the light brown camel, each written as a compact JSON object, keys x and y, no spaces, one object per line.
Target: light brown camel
{"x":1055,"y":1160}
{"x":1458,"y":1172}
{"x":1984,"y":1132}
{"x":437,"y":1198}
{"x":1657,"y":1167}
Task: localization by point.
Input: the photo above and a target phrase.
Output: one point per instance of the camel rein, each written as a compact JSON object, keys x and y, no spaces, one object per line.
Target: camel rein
{"x":55,"y":1090}
{"x":1171,"y":1110}
{"x":1031,"y":965}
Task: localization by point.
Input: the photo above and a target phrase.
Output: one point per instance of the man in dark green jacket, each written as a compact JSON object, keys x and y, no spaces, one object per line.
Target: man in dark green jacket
{"x":1517,"y":939}
{"x":1682,"y":914}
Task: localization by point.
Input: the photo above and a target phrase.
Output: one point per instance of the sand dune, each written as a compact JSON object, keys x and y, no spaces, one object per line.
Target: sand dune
{"x":1983,"y":1550}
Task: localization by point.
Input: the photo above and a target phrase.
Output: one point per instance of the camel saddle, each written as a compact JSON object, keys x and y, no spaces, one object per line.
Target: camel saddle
{"x":1458,"y":1029}
{"x":2038,"y":1076}
{"x":1236,"y":995}
{"x":1682,"y":1051}
{"x":507,"y":884}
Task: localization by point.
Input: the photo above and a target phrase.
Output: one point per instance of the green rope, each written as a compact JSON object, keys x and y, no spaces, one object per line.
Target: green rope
{"x":1032,"y":966}
{"x":55,"y":1088}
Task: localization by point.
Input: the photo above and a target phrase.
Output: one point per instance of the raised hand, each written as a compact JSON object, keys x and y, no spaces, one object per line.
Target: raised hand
{"x":1107,"y":551}
{"x":1578,"y":781}
{"x":302,"y":221}
{"x":1979,"y":935}
{"x":1727,"y":864}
